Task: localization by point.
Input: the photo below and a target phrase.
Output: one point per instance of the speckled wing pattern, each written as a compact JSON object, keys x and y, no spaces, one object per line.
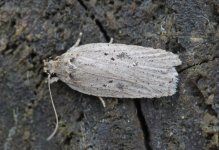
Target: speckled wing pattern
{"x":122,"y":71}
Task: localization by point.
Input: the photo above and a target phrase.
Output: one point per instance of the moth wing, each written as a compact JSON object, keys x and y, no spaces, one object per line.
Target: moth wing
{"x":123,"y":71}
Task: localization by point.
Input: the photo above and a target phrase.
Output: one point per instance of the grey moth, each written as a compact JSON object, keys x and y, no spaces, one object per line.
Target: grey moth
{"x":117,"y":70}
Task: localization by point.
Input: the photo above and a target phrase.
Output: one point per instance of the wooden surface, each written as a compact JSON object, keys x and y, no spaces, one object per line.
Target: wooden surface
{"x":31,"y":31}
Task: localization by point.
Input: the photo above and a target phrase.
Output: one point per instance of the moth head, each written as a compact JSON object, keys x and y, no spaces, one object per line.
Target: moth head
{"x":50,"y":66}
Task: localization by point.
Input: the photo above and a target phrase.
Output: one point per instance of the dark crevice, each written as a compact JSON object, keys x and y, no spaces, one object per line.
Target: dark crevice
{"x":68,"y":139}
{"x":188,"y":67}
{"x":98,"y":23}
{"x":81,"y":117}
{"x":143,"y":124}
{"x":2,"y":3}
{"x":210,"y":110}
{"x":9,"y":48}
{"x":82,"y":4}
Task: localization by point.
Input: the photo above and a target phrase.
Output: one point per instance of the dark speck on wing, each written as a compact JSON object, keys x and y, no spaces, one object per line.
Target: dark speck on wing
{"x":123,"y":55}
{"x":112,"y":59}
{"x":110,"y":81}
{"x":120,"y":86}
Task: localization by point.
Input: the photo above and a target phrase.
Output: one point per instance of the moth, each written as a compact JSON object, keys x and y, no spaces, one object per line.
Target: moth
{"x":115,"y":70}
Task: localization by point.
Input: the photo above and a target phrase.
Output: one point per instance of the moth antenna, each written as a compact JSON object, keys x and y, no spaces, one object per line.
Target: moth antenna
{"x":111,"y":40}
{"x":53,"y":105}
{"x":102,"y":101}
{"x":78,"y":40}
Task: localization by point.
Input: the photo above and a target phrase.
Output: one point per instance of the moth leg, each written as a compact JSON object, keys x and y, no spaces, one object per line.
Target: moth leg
{"x":102,"y":101}
{"x":53,"y":79}
{"x":111,"y":41}
{"x":78,"y":40}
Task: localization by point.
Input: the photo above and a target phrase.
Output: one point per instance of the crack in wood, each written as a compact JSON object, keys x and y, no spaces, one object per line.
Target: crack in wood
{"x":97,"y":22}
{"x":204,"y":61}
{"x":143,"y":124}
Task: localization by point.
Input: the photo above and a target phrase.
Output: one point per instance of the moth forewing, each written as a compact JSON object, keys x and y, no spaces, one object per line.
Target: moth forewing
{"x":118,"y":70}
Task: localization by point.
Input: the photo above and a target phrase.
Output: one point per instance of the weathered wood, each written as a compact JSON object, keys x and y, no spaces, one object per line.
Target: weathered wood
{"x":31,"y":31}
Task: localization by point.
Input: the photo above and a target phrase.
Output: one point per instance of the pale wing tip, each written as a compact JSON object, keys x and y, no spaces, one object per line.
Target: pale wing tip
{"x":175,"y":59}
{"x":171,"y":86}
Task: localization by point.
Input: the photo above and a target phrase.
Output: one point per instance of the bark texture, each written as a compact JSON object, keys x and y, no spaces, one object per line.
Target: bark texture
{"x":31,"y":31}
